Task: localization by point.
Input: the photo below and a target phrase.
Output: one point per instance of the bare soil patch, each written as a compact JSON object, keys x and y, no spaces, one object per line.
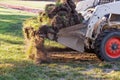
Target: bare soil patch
{"x":68,"y":55}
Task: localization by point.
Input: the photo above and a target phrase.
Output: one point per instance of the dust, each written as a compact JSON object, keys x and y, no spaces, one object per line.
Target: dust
{"x":55,"y":17}
{"x":35,"y":46}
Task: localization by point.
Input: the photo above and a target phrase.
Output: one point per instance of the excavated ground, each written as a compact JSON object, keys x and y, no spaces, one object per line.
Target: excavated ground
{"x":68,"y":55}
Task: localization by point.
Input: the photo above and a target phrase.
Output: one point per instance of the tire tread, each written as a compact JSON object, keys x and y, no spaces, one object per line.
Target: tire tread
{"x":99,"y":39}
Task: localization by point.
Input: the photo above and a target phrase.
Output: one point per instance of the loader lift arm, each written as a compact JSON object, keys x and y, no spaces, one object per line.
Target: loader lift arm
{"x":100,"y":12}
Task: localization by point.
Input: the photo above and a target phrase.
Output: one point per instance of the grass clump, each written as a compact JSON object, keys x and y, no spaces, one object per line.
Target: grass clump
{"x":36,"y":22}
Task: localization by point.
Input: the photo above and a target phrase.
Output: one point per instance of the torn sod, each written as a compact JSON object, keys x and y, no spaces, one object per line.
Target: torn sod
{"x":56,"y":16}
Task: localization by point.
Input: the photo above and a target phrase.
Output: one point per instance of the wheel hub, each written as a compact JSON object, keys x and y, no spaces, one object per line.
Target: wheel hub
{"x":112,"y":47}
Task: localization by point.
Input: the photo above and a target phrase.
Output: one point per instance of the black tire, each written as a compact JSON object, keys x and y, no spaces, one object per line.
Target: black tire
{"x":89,"y":50}
{"x":107,"y":45}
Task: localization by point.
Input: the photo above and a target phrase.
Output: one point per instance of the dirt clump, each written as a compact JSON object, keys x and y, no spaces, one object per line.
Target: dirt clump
{"x":41,"y":54}
{"x":63,"y":14}
{"x":55,"y":17}
{"x":35,"y":46}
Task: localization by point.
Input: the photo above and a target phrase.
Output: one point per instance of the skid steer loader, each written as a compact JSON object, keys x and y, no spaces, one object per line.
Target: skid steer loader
{"x":99,"y":31}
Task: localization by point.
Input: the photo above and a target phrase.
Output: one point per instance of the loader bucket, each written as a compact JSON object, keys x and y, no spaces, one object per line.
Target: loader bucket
{"x":73,"y":37}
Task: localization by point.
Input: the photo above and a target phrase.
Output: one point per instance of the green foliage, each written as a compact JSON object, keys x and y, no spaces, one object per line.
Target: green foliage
{"x":58,"y":3}
{"x":36,"y":22}
{"x":31,"y":22}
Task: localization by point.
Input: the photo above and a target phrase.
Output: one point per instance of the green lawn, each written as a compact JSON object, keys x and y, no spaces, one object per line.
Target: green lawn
{"x":15,"y":66}
{"x":31,"y":4}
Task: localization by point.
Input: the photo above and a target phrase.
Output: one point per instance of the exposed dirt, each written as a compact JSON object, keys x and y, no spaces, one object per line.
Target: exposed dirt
{"x":68,"y":55}
{"x":59,"y":16}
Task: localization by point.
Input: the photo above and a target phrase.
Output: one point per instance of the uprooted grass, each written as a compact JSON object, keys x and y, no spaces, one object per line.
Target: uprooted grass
{"x":32,"y":25}
{"x":15,"y":66}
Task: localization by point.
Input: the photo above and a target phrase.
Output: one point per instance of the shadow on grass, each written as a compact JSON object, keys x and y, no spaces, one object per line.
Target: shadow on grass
{"x":27,"y":70}
{"x":12,"y":24}
{"x":11,"y":41}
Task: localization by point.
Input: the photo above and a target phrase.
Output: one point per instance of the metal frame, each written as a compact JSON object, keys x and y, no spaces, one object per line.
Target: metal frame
{"x":100,"y":12}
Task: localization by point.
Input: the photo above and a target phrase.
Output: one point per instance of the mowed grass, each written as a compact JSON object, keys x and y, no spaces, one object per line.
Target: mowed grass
{"x":15,"y":66}
{"x":30,"y":4}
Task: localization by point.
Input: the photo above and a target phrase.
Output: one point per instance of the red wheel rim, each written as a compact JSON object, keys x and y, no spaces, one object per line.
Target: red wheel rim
{"x":112,"y":47}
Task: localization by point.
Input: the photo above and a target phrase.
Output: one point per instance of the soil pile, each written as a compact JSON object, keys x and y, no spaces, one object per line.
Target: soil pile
{"x":55,"y":17}
{"x":63,"y":14}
